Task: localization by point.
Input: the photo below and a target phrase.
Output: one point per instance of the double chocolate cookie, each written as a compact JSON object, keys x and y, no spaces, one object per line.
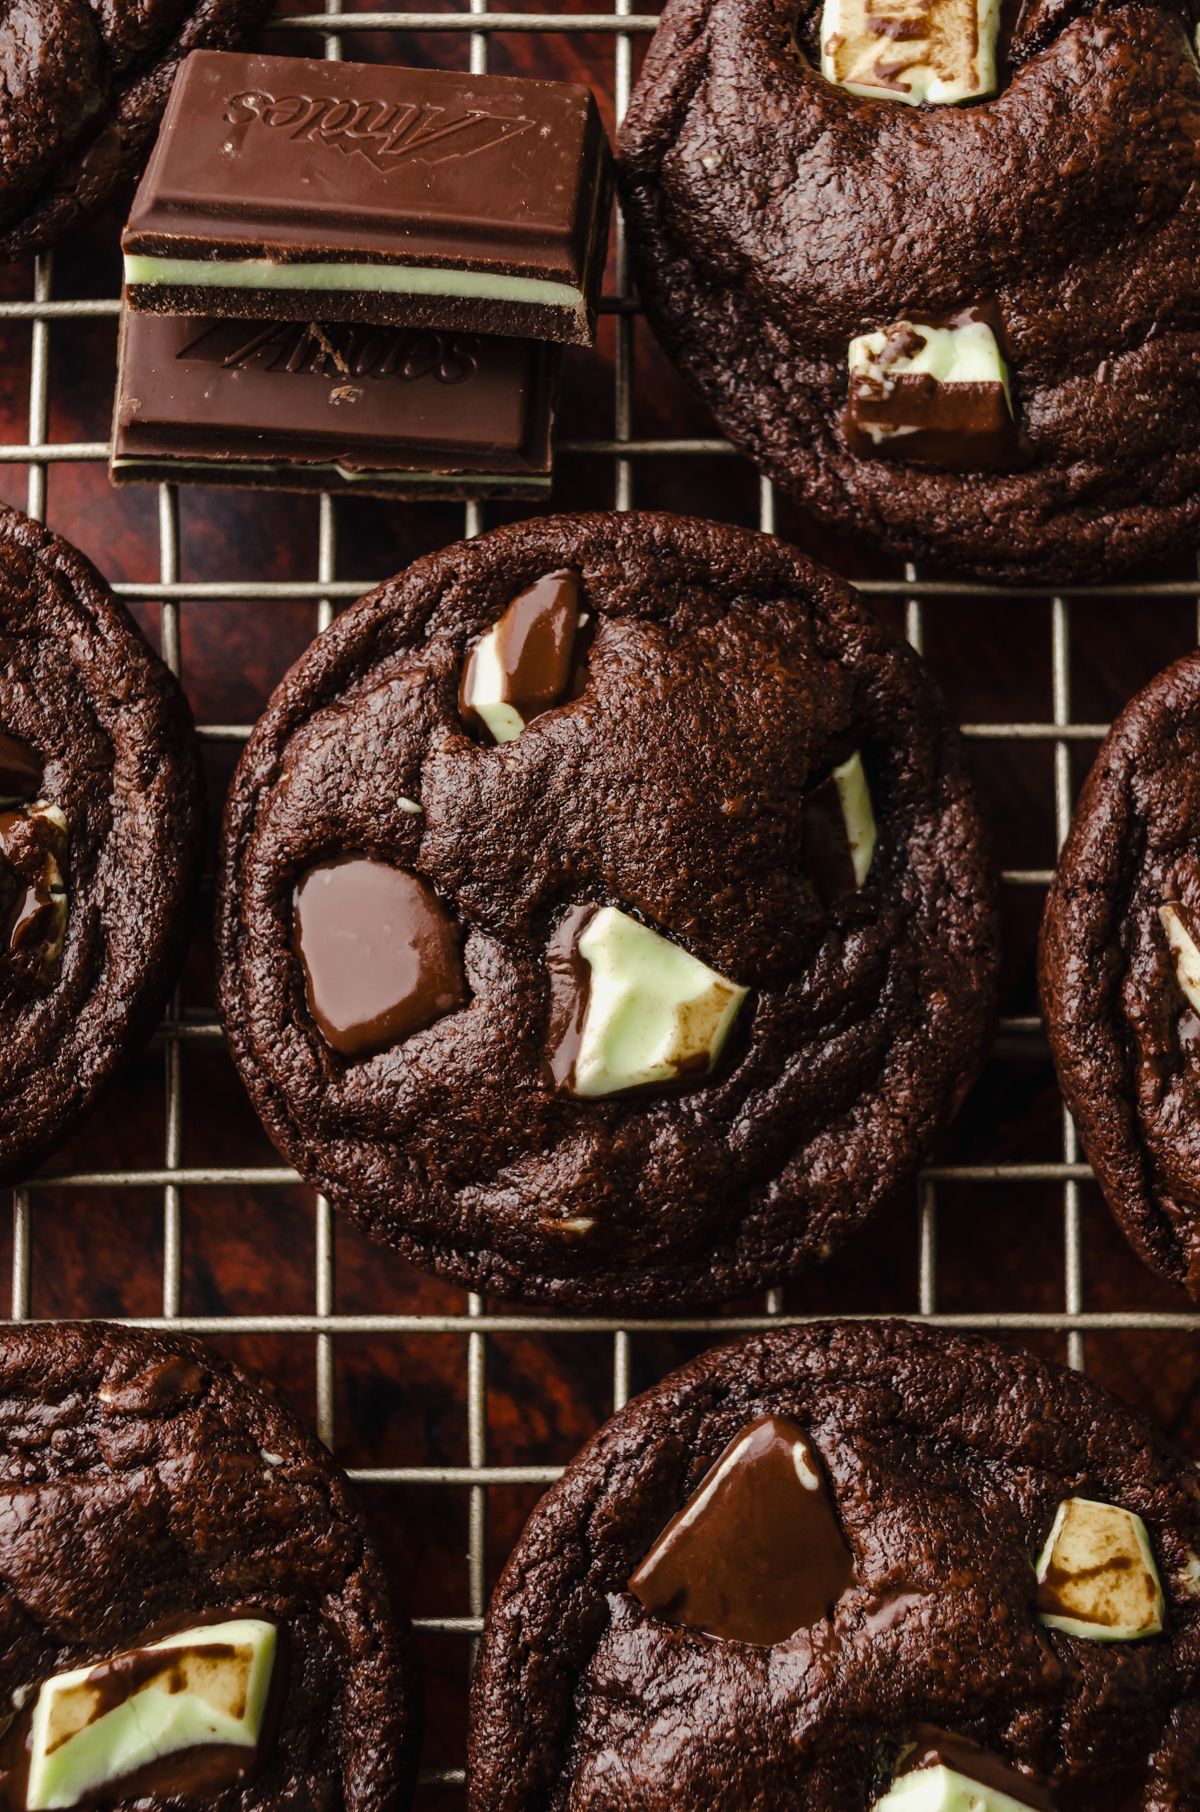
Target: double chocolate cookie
{"x":848,"y":1566}
{"x":193,"y":1609}
{"x":100,"y":825}
{"x":1119,"y":966}
{"x":84,"y":86}
{"x":969,"y":331}
{"x":603,"y":917}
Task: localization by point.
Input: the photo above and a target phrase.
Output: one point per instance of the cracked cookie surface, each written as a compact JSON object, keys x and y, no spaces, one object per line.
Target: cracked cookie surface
{"x":1120,"y":1023}
{"x":147,"y":1481}
{"x":773,"y":217}
{"x":946,"y":1458}
{"x":725,"y":673}
{"x":98,"y":750}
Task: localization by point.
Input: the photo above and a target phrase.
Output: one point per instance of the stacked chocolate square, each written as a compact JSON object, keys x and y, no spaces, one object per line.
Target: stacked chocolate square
{"x":358,"y":278}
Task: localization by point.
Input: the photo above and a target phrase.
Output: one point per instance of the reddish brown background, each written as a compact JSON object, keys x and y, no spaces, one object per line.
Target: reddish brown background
{"x":401,"y":1401}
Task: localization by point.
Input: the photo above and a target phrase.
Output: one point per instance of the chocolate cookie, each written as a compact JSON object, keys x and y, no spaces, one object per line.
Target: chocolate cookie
{"x":791,"y":234}
{"x":84,"y":86}
{"x":100,"y":826}
{"x":960,"y":1538}
{"x":184,"y":1571}
{"x":1119,"y":965}
{"x":602,"y":912}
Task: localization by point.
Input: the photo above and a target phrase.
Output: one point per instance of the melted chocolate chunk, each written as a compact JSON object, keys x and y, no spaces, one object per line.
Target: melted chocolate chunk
{"x":569,"y":975}
{"x":903,"y":341}
{"x":827,"y":856}
{"x":201,"y":1772}
{"x":117,"y":1680}
{"x":958,"y":427}
{"x":942,"y":1749}
{"x":756,"y":1553}
{"x":33,"y":849}
{"x":1056,"y":1594}
{"x":541,"y":658}
{"x":382,"y":957}
{"x":20,"y":770}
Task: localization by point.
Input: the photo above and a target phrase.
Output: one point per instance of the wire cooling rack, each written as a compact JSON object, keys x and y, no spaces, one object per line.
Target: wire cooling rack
{"x":475,"y":1323}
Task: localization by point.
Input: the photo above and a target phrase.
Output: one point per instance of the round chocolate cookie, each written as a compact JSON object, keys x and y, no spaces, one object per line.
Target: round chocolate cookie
{"x":173,"y":1533}
{"x":816,"y":1563}
{"x":1119,"y":967}
{"x":776,"y":217}
{"x":100,"y":826}
{"x":602,"y":912}
{"x":84,"y":87}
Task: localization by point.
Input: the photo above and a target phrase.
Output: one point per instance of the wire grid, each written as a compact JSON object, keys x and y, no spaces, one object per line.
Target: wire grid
{"x":325,"y":1324}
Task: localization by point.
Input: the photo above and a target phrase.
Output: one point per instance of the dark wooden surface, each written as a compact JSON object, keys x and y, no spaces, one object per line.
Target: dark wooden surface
{"x":402,"y":1401}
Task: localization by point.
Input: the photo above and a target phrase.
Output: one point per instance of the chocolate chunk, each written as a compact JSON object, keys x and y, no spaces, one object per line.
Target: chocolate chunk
{"x":287,"y":188}
{"x":527,"y":662}
{"x":826,"y":846}
{"x":756,"y":1553}
{"x":192,"y":1714}
{"x":382,"y":957}
{"x":933,"y":392}
{"x":381,"y":411}
{"x":20,"y":771}
{"x":942,"y":1749}
{"x":837,"y":821}
{"x":1179,"y":925}
{"x":1096,"y":1574}
{"x":937,"y":51}
{"x":630,"y":1011}
{"x":33,"y":849}
{"x":959,"y":427}
{"x":569,"y":975}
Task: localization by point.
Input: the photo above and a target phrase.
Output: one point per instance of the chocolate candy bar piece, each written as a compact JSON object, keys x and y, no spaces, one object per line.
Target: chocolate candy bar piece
{"x":939,"y":1769}
{"x":283,"y":188}
{"x":1097,"y":1576}
{"x":328,"y":406}
{"x":911,"y":50}
{"x":933,"y":392}
{"x":629,"y":1009}
{"x":195,"y":1707}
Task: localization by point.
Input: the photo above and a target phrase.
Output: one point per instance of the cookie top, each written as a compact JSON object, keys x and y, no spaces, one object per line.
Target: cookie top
{"x":1120,"y":976}
{"x":774,"y":217}
{"x":663,"y":818}
{"x":149,"y":1484}
{"x":944,"y":1460}
{"x":100,"y":827}
{"x":84,"y":87}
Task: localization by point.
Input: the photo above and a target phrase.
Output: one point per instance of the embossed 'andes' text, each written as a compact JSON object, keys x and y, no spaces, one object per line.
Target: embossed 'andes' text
{"x":387,"y":133}
{"x":337,"y":350}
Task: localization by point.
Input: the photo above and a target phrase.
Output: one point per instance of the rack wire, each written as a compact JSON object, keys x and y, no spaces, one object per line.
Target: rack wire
{"x":477,"y":1322}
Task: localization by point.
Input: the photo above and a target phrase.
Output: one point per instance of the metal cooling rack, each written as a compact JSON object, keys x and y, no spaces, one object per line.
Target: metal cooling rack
{"x":325,"y":590}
